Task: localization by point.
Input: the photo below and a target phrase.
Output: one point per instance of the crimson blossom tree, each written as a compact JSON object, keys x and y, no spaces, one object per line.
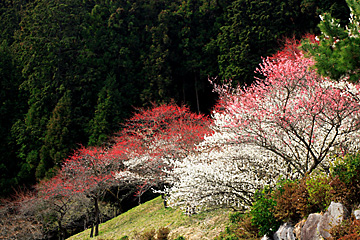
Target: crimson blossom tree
{"x":90,"y":172}
{"x":285,"y":125}
{"x":85,"y":176}
{"x":154,"y":139}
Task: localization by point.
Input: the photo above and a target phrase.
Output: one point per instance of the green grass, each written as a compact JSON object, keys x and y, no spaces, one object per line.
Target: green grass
{"x":153,"y":215}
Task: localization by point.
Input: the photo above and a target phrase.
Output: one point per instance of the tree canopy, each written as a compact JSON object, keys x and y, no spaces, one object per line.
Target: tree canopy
{"x":71,"y":71}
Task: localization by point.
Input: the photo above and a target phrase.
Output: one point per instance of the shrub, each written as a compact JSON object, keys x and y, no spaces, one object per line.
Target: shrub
{"x":180,"y":238}
{"x":347,"y":169}
{"x":162,"y":233}
{"x":319,"y":190}
{"x":349,"y":229}
{"x":292,"y":201}
{"x":240,"y":227}
{"x":262,"y":216}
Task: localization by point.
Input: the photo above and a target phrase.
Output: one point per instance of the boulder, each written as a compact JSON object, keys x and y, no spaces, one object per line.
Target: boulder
{"x":309,"y":230}
{"x":285,"y":232}
{"x":298,"y":227}
{"x":334,"y":215}
{"x":357,"y":214}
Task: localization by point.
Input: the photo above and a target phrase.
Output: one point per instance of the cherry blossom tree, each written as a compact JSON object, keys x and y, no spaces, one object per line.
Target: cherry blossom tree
{"x":285,"y":125}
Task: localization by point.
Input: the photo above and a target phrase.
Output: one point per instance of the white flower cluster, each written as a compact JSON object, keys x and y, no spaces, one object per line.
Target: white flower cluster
{"x":226,"y":175}
{"x":286,"y":126}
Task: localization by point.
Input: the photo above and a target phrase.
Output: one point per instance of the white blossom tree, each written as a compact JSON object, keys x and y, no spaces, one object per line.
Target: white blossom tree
{"x":286,"y":125}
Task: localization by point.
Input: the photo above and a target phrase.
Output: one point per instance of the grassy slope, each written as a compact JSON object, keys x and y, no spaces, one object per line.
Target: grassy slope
{"x":152,"y":215}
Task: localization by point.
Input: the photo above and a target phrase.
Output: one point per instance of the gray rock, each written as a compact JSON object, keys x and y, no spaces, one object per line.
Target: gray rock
{"x":334,"y":215}
{"x":309,"y":230}
{"x":285,"y":232}
{"x":298,"y":227}
{"x":357,"y":214}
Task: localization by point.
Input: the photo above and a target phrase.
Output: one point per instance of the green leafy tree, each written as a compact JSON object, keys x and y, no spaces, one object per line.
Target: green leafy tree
{"x":337,"y":49}
{"x":108,"y":112}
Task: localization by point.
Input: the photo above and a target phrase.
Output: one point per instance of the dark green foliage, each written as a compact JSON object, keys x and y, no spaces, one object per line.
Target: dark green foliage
{"x":261,"y":212}
{"x":12,"y":106}
{"x":253,"y":29}
{"x":72,"y":70}
{"x":337,"y":50}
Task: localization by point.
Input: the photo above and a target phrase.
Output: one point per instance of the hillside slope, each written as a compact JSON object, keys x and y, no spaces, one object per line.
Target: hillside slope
{"x":153,"y":215}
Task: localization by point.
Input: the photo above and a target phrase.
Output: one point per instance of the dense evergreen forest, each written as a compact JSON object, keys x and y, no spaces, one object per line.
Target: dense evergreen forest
{"x":72,"y":70}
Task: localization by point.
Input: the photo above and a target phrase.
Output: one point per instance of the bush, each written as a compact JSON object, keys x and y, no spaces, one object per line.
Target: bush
{"x":163,"y":233}
{"x":240,"y":227}
{"x":261,"y":215}
{"x":180,"y":238}
{"x":349,"y":229}
{"x":347,"y":169}
{"x":292,"y":201}
{"x":319,"y":190}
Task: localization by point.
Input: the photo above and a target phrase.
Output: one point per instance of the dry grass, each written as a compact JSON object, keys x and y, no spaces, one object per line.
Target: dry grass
{"x":152,"y":215}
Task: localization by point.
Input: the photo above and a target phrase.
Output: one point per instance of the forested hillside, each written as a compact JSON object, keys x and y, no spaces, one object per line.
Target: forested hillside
{"x":106,"y":104}
{"x":72,"y":70}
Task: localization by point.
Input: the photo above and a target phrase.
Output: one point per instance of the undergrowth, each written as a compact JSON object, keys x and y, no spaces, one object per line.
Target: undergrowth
{"x":293,"y":200}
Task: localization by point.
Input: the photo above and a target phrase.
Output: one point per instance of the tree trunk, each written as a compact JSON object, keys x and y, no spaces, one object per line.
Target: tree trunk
{"x":163,"y":196}
{"x":97,"y":213}
{"x":92,"y":231}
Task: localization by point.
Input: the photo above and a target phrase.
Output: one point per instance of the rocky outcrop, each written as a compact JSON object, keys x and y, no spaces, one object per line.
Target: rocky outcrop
{"x":316,"y":226}
{"x":285,"y":232}
{"x":309,"y":231}
{"x":334,"y":215}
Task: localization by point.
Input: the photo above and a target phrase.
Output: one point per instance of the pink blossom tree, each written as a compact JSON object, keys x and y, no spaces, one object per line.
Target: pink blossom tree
{"x":287,"y":124}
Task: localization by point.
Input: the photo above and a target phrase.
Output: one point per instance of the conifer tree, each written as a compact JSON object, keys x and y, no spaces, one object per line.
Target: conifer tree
{"x":337,"y":49}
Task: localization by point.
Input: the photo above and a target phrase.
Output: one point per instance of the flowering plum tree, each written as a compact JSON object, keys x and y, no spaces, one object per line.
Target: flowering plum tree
{"x":153,"y":139}
{"x":18,"y":219}
{"x":90,"y":171}
{"x":287,"y":124}
{"x":84,"y":177}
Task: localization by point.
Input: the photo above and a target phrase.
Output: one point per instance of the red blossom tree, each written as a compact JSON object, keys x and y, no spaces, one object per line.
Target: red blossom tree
{"x":153,"y":139}
{"x":90,"y":171}
{"x":140,"y":157}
